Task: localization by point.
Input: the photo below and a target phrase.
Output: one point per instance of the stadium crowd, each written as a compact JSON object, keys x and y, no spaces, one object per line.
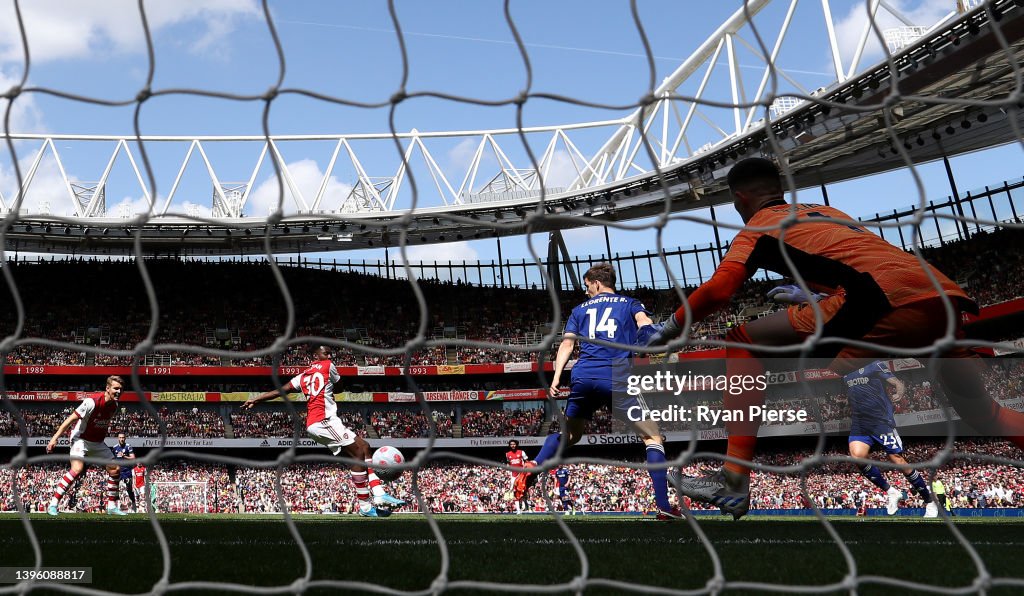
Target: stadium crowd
{"x":448,"y":486}
{"x":502,"y":423}
{"x":36,"y":484}
{"x":989,"y":264}
{"x":1004,"y":379}
{"x":409,"y":424}
{"x":279,"y":424}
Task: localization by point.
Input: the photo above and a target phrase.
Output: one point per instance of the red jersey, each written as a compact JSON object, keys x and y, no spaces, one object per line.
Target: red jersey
{"x":516,"y":458}
{"x":140,"y":476}
{"x":94,"y":414}
{"x":317,"y":383}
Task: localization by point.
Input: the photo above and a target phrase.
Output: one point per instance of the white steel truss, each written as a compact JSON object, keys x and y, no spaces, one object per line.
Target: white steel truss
{"x":669,"y":130}
{"x":372,"y":176}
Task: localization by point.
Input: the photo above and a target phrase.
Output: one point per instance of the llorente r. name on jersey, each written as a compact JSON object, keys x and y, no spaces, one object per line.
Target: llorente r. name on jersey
{"x":609,"y":317}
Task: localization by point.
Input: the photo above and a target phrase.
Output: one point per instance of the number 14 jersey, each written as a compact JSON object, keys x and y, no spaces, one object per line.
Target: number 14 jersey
{"x":609,"y":317}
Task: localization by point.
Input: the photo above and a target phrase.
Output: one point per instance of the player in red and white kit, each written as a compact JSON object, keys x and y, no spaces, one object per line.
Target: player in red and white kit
{"x":324,"y":427}
{"x":139,"y":480}
{"x":517,"y":457}
{"x":91,"y":419}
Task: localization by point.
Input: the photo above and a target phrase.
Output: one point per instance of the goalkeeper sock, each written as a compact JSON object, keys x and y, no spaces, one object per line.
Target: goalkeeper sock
{"x":917,"y":481}
{"x":549,"y":448}
{"x":375,"y":484}
{"x":742,"y":433}
{"x":659,"y":477}
{"x":872,"y":473}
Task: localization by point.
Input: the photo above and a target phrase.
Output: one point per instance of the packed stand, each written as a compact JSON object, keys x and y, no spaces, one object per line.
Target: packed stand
{"x":408,"y":424}
{"x":502,"y":423}
{"x":989,"y":264}
{"x":259,"y":424}
{"x":35,"y":485}
{"x":451,"y":487}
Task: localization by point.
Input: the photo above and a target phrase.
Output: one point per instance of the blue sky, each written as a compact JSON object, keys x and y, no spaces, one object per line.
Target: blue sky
{"x":586,"y":50}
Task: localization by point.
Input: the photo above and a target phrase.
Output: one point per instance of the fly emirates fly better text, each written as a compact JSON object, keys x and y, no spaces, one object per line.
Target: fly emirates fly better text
{"x":663,"y":382}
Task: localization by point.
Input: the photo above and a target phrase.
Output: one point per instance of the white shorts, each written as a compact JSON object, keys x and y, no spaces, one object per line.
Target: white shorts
{"x":80,"y":448}
{"x":331,"y":433}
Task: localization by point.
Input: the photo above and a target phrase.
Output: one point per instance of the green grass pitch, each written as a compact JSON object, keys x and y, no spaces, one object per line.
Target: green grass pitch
{"x":401,"y":552}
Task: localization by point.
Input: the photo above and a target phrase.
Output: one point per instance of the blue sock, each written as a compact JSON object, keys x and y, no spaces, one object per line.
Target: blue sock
{"x":549,"y":448}
{"x":656,"y":455}
{"x":875,"y":476}
{"x":917,"y":481}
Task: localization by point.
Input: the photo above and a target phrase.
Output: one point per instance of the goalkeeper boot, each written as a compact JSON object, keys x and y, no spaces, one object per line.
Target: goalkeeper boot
{"x":930,"y":510}
{"x":389,"y":501}
{"x":373,"y":512}
{"x":729,"y":492}
{"x":52,"y":510}
{"x":893,"y":504}
{"x":115,"y":510}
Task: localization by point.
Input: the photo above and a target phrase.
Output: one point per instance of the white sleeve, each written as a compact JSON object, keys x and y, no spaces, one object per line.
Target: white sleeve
{"x":334,"y":375}
{"x":86,"y":407}
{"x":297,"y":382}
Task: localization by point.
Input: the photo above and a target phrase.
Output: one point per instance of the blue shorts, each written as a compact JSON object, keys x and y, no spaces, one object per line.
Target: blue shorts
{"x":562,"y":493}
{"x":885,"y":437}
{"x":587,"y":395}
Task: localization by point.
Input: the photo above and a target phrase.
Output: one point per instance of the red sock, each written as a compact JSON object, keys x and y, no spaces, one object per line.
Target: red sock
{"x":112,"y":500}
{"x":65,"y":482}
{"x":375,"y":484}
{"x":362,"y":493}
{"x":742,"y":434}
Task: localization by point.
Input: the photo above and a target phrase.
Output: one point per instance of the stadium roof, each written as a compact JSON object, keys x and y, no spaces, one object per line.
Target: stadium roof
{"x":955,"y":87}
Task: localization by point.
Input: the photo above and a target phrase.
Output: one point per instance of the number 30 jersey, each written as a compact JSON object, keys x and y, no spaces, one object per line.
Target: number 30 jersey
{"x":317,"y":383}
{"x":608,"y":317}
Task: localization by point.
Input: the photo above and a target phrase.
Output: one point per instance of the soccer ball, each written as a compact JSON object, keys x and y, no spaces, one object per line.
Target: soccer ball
{"x":383,"y":459}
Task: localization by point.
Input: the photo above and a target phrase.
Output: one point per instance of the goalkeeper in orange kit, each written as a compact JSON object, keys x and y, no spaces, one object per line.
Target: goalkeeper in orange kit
{"x":876,"y":293}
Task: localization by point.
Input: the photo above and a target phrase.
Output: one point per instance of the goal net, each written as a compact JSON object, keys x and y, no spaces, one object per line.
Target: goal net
{"x":178,"y":497}
{"x":874,"y":89}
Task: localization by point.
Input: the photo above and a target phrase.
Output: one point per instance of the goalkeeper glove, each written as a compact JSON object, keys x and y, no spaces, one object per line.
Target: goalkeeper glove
{"x":793,"y":294}
{"x":663,"y":333}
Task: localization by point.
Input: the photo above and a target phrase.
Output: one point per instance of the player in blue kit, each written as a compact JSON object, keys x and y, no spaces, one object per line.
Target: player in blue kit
{"x":872,"y":421}
{"x":123,"y":451}
{"x":599,"y":375}
{"x":562,"y":477}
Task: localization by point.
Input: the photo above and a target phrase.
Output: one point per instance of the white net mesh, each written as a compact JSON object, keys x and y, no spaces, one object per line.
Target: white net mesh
{"x":908,"y":118}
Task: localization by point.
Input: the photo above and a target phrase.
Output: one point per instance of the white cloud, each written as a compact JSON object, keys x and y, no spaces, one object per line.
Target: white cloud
{"x":128,"y":207}
{"x":589,"y":235}
{"x":61,"y":29}
{"x":308,"y":177}
{"x":561,"y":172}
{"x":850,"y":27}
{"x":200,"y":210}
{"x":461,"y":155}
{"x":442,"y":252}
{"x":45,"y":194}
{"x":25,"y":114}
